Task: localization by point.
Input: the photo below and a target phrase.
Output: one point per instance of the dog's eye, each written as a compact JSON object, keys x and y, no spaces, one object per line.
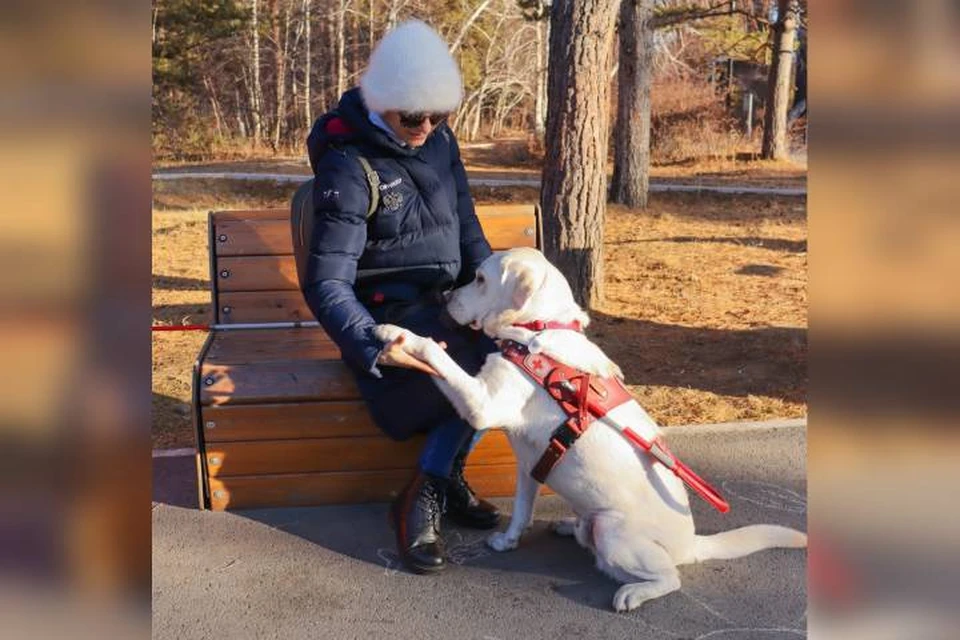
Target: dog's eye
{"x":480,"y":278}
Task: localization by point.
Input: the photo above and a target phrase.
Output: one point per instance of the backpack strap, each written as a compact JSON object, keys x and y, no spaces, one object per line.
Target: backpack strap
{"x":373,"y":180}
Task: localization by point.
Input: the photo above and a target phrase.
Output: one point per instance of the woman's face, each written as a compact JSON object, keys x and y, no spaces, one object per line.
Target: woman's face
{"x":413,"y":128}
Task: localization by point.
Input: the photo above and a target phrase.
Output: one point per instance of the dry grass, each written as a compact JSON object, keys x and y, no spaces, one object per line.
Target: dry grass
{"x":181,"y":295}
{"x":705,"y":309}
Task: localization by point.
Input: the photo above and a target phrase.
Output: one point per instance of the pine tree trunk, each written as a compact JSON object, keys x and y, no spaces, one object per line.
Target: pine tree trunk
{"x":574,"y":190}
{"x":781,"y":75}
{"x":631,"y":165}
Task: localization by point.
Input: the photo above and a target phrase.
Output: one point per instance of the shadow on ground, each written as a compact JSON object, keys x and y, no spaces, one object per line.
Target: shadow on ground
{"x":768,"y":361}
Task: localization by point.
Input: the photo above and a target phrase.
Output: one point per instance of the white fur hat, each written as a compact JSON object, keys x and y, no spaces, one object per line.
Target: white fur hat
{"x":411,"y":69}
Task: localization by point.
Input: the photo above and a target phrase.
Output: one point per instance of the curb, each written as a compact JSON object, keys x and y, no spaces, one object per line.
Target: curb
{"x":739,"y":427}
{"x":689,"y":429}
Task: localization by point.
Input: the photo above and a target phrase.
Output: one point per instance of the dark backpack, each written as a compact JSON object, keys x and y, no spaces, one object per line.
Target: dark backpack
{"x":301,"y":212}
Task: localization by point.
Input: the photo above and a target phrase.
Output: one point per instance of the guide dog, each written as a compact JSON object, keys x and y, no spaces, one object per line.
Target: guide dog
{"x":631,"y":511}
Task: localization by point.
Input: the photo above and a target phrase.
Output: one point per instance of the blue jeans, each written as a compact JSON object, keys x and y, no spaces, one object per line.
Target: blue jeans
{"x":405,"y":402}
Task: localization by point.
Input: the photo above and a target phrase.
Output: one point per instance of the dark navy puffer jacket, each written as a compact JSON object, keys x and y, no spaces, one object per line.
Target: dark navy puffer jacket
{"x":424,"y":235}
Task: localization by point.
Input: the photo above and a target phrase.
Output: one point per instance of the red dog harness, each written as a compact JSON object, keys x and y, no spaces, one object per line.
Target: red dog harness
{"x":584,"y":398}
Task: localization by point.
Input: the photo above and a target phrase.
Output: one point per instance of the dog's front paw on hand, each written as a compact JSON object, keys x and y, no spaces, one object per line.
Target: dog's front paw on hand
{"x":500,"y":541}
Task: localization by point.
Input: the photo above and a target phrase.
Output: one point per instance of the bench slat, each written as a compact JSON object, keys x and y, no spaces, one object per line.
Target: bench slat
{"x":263,"y":306}
{"x":310,"y":455}
{"x":270,"y":382}
{"x":267,"y":232}
{"x":344,"y":487}
{"x":227,"y":459}
{"x":246,"y":346}
{"x":257,"y":273}
{"x":253,"y":237}
{"x":286,"y":421}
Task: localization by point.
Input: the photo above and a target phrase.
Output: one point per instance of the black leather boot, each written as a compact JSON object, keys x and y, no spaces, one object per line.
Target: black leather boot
{"x":415,"y":517}
{"x":463,"y":505}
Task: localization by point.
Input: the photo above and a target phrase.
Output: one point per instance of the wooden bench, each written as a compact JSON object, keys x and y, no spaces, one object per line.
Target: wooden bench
{"x":277,"y":415}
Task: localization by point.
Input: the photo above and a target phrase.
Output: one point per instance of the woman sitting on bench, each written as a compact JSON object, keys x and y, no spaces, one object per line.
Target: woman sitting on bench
{"x":393,"y":228}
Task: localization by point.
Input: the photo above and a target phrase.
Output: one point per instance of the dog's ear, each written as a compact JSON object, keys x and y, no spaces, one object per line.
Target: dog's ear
{"x":520,"y":283}
{"x":525,"y":285}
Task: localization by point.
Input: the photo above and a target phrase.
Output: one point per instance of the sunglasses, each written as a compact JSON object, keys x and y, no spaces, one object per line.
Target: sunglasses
{"x":414,"y":120}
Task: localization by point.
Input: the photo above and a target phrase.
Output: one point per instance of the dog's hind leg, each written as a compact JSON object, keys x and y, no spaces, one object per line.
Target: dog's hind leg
{"x":565,"y":526}
{"x":627,"y":556}
{"x":527,"y":489}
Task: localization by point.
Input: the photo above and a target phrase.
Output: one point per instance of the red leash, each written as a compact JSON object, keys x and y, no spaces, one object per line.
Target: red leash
{"x":180,"y":327}
{"x":658,"y":449}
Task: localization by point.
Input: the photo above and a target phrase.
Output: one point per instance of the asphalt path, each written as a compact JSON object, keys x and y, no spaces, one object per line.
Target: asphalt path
{"x":332,"y":572}
{"x":483,"y":181}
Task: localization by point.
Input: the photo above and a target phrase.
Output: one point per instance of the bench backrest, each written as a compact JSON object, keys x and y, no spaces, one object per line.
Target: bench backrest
{"x":253,"y":274}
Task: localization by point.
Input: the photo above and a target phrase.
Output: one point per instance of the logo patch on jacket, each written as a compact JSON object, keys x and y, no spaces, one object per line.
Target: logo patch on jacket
{"x":391,"y":184}
{"x":392,"y":201}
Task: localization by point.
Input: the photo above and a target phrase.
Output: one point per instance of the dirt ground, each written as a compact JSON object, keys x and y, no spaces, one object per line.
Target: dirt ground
{"x":705,"y":307}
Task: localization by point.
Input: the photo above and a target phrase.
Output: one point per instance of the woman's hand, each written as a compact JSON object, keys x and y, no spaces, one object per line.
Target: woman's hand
{"x":394,"y":355}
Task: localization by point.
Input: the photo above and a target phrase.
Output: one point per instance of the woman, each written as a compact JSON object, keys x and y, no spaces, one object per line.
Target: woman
{"x":387,"y":144}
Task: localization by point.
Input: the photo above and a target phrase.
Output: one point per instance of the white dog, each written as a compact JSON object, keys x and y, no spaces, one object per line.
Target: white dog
{"x":632,"y":512}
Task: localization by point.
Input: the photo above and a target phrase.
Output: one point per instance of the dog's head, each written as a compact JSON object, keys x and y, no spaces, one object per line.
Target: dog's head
{"x":511,"y":287}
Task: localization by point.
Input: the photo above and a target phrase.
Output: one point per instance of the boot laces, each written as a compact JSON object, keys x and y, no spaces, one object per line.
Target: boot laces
{"x":433,"y":500}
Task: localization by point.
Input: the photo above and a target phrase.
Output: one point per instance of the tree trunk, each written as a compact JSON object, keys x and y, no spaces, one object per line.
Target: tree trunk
{"x":241,"y":124}
{"x":478,"y":111}
{"x":307,"y":77}
{"x":323,"y":53}
{"x":341,"y":46}
{"x":256,"y":93}
{"x":574,"y":190}
{"x":781,"y":74}
{"x":631,"y":164}
{"x":540,"y":92}
{"x":215,"y":105}
{"x":281,"y":64}
{"x":370,"y":28}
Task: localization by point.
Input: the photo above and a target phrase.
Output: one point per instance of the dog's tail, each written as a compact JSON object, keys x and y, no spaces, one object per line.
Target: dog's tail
{"x":737,"y":543}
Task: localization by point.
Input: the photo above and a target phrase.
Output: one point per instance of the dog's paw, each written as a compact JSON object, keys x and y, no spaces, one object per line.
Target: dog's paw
{"x":500,"y":541}
{"x":388,"y":332}
{"x":630,"y":596}
{"x":564,"y":526}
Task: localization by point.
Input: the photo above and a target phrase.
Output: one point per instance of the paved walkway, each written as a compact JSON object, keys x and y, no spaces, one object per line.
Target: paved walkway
{"x":480,"y":180}
{"x":332,"y":572}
